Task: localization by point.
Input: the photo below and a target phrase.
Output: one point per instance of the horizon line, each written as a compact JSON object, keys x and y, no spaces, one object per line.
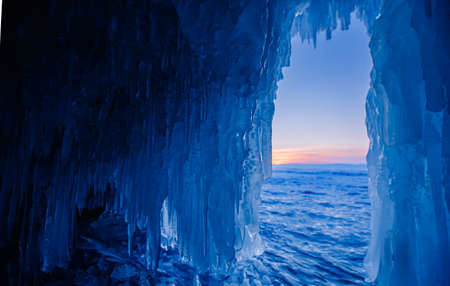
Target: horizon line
{"x":283,"y":164}
{"x":320,"y":155}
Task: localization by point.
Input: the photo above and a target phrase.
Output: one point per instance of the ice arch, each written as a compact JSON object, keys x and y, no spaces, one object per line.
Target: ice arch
{"x":122,"y":104}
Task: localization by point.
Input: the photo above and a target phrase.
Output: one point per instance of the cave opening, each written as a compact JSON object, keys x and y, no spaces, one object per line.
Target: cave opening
{"x":315,"y":210}
{"x":113,"y":112}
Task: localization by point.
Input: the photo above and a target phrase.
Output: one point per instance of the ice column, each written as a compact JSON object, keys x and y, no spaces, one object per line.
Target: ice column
{"x":407,"y":121}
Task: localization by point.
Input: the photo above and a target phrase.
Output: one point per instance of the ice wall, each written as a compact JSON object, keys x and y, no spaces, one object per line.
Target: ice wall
{"x":124,"y":105}
{"x":407,"y":121}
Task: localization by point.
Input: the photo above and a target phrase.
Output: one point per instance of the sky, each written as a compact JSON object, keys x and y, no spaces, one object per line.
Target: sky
{"x":320,"y":106}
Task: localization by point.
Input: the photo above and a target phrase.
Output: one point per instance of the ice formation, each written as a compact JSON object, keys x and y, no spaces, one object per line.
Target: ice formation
{"x":124,"y":105}
{"x":408,"y":125}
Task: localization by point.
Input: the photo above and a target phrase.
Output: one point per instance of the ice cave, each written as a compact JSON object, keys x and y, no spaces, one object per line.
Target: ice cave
{"x":153,"y":118}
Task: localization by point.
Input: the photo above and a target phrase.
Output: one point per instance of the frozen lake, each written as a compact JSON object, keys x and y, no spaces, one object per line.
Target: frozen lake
{"x":315,"y":224}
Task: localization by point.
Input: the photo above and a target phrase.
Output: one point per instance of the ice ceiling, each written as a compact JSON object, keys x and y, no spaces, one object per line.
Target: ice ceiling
{"x":126,"y":104}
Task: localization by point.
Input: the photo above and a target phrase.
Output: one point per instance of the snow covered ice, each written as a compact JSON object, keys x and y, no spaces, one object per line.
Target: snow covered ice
{"x":123,"y":107}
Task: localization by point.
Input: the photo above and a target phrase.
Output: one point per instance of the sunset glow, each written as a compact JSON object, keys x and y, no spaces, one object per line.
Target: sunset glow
{"x":320,"y":107}
{"x":319,"y":155}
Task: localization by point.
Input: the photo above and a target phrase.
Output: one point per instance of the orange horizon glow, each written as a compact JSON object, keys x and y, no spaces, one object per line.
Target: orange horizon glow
{"x":319,"y":155}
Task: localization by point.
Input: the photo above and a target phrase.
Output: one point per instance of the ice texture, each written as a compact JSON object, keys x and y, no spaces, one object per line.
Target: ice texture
{"x":407,"y":122}
{"x":161,"y":111}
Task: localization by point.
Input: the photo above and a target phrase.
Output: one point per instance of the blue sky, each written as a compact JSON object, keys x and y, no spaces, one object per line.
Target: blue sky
{"x":320,"y":107}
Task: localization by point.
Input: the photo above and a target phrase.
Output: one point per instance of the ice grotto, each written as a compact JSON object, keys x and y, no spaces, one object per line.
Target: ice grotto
{"x":137,"y":106}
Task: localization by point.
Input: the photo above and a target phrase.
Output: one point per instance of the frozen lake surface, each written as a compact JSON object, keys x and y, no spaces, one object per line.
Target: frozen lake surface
{"x":315,"y":224}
